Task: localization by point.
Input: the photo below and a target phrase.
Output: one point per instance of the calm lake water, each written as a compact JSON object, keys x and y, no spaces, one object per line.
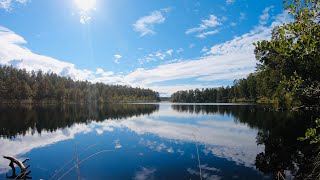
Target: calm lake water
{"x":154,"y":141}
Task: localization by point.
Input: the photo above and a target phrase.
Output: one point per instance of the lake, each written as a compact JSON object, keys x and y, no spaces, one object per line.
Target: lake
{"x":154,"y":141}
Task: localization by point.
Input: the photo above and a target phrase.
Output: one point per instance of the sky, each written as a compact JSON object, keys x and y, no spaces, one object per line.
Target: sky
{"x":162,"y":45}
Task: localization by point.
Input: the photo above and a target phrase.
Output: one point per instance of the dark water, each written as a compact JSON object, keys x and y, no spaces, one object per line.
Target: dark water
{"x":156,"y":141}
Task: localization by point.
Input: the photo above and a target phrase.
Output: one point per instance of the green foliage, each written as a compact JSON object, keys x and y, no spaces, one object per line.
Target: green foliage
{"x":312,"y":134}
{"x":18,"y":85}
{"x":293,"y":54}
{"x":287,"y":72}
{"x":242,"y":90}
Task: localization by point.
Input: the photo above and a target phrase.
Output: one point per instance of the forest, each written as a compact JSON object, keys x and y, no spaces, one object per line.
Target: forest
{"x":21,"y":86}
{"x":287,"y":65}
{"x":243,"y":90}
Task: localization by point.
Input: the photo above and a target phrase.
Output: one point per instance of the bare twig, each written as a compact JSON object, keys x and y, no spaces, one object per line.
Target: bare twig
{"x":71,"y":161}
{"x":103,"y":151}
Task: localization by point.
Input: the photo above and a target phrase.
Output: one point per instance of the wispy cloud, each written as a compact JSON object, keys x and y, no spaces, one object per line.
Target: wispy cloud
{"x":230,"y":1}
{"x":156,"y":146}
{"x":265,"y":16}
{"x":144,"y":174}
{"x":204,"y":49}
{"x":205,"y":34}
{"x":180,"y":50}
{"x":211,"y":22}
{"x":155,"y":56}
{"x":117,"y":144}
{"x":242,"y":16}
{"x":7,"y":4}
{"x":145,"y":24}
{"x":233,"y":24}
{"x":205,"y":174}
{"x":84,"y":19}
{"x":117,"y":58}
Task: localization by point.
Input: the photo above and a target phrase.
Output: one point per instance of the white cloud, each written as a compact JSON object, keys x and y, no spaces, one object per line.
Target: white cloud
{"x":24,"y":144}
{"x":205,"y":174}
{"x":117,"y":144}
{"x":169,"y":52}
{"x":225,"y":61}
{"x":101,"y":72}
{"x":195,"y":68}
{"x":145,"y":24}
{"x":204,"y":49}
{"x":202,"y":29}
{"x":242,"y":16}
{"x":233,"y":24}
{"x":155,"y":56}
{"x":117,"y":58}
{"x":213,"y":21}
{"x":180,"y":50}
{"x":12,"y":50}
{"x":230,"y":1}
{"x":85,"y":8}
{"x":205,"y":34}
{"x":235,"y":142}
{"x":22,"y":1}
{"x":84,"y":19}
{"x":144,"y":174}
{"x":7,"y":4}
{"x":265,"y":15}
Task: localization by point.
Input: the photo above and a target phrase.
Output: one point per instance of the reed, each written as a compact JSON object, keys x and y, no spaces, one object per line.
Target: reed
{"x":85,"y":159}
{"x":71,"y":160}
{"x":315,"y":174}
{"x":199,"y":163}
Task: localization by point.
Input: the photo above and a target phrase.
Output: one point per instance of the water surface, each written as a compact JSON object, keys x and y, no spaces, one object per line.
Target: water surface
{"x":154,"y":141}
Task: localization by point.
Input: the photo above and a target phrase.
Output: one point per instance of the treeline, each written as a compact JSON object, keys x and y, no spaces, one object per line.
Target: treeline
{"x":19,"y":85}
{"x":242,"y":90}
{"x":288,"y":65}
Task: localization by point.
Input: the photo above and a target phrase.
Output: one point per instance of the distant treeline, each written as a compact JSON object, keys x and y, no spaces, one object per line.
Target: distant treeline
{"x":19,"y":85}
{"x":288,"y":65}
{"x":242,"y":90}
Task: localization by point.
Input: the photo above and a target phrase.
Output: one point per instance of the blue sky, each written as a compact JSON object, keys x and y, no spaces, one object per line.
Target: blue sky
{"x":163,"y":45}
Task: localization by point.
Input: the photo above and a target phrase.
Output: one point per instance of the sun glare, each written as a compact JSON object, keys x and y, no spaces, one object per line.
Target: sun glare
{"x":85,"y":5}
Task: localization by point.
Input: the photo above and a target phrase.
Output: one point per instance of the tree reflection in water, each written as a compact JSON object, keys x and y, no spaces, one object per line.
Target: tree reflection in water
{"x":277,"y":131}
{"x":18,"y":120}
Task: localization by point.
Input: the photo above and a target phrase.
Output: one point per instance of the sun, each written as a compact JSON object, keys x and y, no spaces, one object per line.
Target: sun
{"x":85,"y":5}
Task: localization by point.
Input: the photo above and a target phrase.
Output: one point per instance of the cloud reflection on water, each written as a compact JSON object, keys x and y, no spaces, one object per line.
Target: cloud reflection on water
{"x":222,"y":138}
